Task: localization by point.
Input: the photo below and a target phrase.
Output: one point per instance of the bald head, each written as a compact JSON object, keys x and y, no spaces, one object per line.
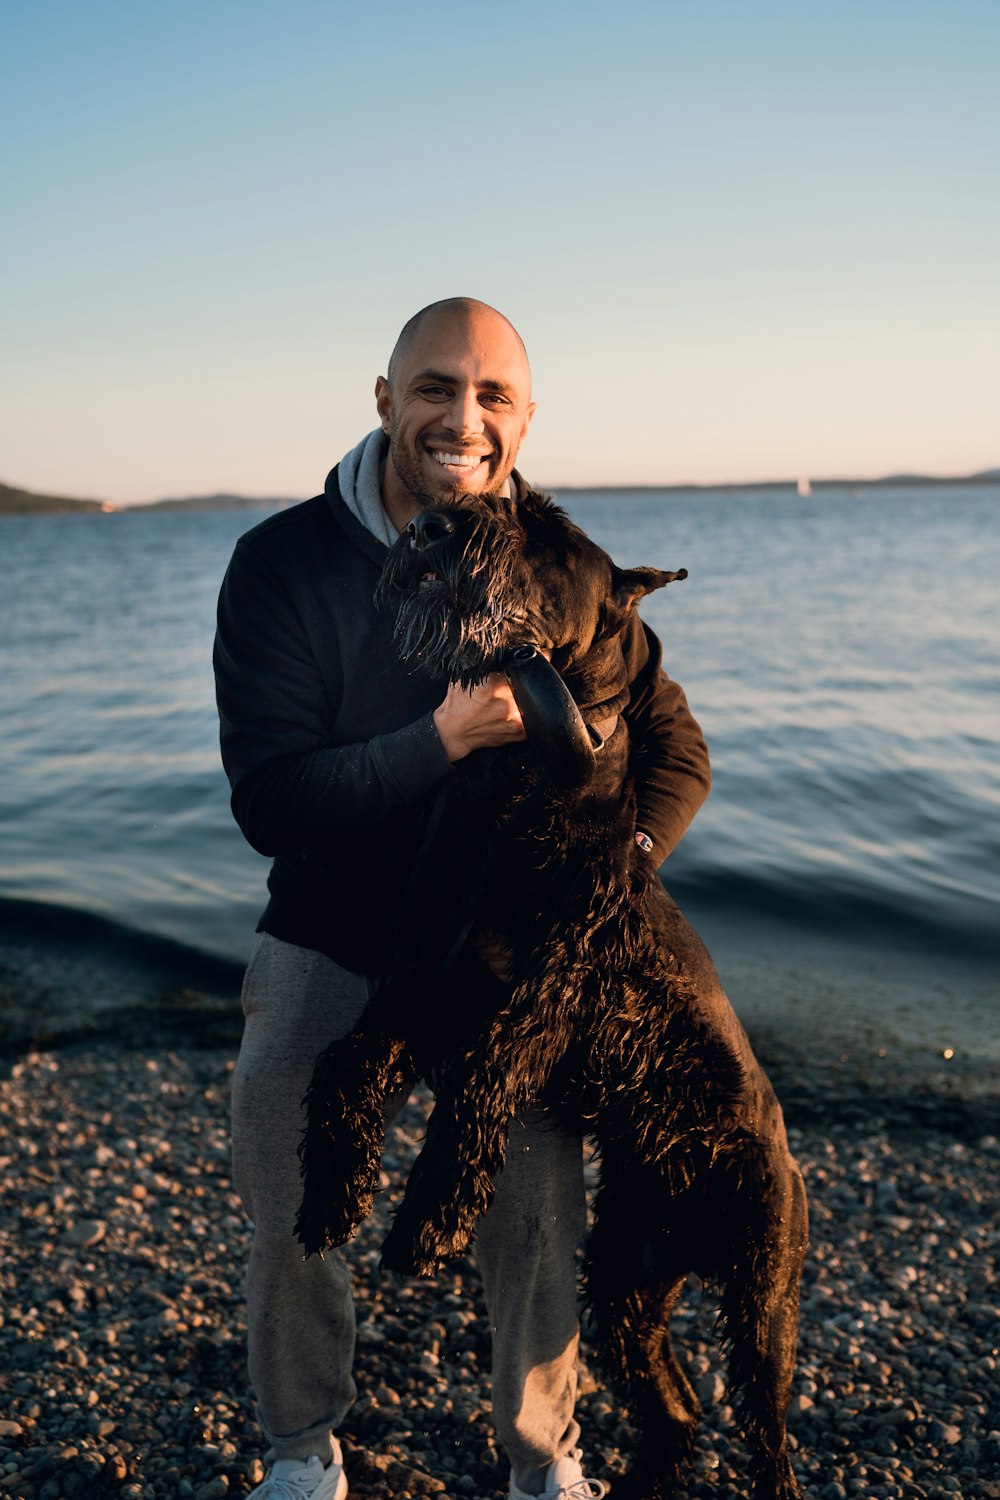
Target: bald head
{"x":455,"y":310}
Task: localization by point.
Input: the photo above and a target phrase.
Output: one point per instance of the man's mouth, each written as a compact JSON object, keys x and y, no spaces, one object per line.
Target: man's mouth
{"x":458,"y":463}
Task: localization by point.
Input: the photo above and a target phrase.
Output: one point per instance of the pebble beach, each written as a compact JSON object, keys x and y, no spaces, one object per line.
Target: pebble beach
{"x":122,"y":1244}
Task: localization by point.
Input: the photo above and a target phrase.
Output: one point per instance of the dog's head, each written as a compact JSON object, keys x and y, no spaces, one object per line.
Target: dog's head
{"x":473,"y":581}
{"x":501,"y":585}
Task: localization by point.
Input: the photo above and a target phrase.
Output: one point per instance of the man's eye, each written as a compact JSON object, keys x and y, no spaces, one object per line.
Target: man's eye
{"x":435,"y":392}
{"x":494,"y":398}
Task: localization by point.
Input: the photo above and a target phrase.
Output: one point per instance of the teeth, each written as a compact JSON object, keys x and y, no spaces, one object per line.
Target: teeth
{"x":458,"y":460}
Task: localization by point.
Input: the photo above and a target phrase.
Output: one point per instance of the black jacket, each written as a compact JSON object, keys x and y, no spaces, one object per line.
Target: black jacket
{"x":328,"y":741}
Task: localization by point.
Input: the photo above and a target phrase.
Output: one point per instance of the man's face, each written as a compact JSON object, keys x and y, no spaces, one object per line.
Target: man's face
{"x":457,"y":411}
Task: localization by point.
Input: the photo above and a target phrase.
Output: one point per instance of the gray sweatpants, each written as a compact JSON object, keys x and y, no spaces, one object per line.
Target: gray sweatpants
{"x":300,"y":1313}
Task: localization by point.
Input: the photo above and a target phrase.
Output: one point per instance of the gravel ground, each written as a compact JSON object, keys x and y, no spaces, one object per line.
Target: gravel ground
{"x":121,"y":1341}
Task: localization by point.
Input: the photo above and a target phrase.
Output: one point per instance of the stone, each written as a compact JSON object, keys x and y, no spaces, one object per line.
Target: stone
{"x":215,"y":1489}
{"x":711,"y":1388}
{"x":85,"y":1232}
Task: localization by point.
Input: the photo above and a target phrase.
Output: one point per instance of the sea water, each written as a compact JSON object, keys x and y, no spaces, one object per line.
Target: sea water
{"x":839,"y":651}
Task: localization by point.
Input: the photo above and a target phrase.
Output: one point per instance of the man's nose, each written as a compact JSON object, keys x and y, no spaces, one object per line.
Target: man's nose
{"x":464,"y":413}
{"x":427,"y":529}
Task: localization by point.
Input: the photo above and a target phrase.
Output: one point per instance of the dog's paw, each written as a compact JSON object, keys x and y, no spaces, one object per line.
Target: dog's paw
{"x":776,"y":1482}
{"x":333,"y":1225}
{"x":420,"y":1248}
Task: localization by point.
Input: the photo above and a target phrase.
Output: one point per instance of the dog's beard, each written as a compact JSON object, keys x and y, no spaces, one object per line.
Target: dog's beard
{"x":460,"y":625}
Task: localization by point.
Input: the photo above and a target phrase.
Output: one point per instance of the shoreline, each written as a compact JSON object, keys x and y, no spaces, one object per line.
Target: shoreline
{"x":851,"y":1034}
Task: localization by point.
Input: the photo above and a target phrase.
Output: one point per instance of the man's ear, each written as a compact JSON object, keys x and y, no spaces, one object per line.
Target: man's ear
{"x":383,"y":402}
{"x":629,"y":585}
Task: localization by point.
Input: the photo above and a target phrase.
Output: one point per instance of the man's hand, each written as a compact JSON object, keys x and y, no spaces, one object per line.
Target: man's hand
{"x":471,"y":719}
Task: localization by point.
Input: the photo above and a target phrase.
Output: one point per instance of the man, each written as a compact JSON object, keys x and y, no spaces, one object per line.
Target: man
{"x":330,"y":747}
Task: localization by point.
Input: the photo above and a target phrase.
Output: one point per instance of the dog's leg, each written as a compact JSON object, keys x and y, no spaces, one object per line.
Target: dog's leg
{"x":631,"y":1285}
{"x":450,"y":1186}
{"x":451,"y":1183}
{"x":759,"y":1308}
{"x":341,"y":1149}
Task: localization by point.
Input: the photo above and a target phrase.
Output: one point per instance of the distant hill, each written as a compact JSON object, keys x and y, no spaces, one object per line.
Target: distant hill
{"x":215,"y":502}
{"x":14,"y":502}
{"x":912,"y":481}
{"x":986,"y":476}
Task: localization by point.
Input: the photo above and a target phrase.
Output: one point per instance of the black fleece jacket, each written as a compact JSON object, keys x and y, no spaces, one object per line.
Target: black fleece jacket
{"x":328,"y":740}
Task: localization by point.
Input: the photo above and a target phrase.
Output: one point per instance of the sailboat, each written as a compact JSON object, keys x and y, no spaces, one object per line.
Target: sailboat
{"x":804,"y":488}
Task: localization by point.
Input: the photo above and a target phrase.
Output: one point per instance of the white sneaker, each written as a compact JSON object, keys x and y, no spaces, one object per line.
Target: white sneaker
{"x":564,"y":1481}
{"x":291,"y":1479}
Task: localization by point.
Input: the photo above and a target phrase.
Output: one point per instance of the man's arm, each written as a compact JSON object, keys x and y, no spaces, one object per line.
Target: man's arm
{"x":668,"y":753}
{"x":291,"y":789}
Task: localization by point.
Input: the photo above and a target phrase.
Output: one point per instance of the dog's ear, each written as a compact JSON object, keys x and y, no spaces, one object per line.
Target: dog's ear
{"x":629,"y":585}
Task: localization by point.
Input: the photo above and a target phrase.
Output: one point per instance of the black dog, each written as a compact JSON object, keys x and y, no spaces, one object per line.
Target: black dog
{"x":602,"y":1025}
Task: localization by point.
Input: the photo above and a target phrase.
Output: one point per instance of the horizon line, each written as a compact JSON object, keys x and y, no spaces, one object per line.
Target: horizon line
{"x":803,"y":483}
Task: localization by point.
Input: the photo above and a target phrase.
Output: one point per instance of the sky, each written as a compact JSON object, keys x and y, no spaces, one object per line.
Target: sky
{"x":740,"y":240}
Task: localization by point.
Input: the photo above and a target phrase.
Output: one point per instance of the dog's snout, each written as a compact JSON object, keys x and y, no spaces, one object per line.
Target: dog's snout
{"x":427,"y":529}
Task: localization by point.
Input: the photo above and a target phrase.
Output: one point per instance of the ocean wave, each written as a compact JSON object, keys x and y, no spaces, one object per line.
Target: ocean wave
{"x":937,"y":923}
{"x":161,"y":960}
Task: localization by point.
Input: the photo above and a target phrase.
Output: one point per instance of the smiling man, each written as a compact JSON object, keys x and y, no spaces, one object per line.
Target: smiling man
{"x":331,"y":746}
